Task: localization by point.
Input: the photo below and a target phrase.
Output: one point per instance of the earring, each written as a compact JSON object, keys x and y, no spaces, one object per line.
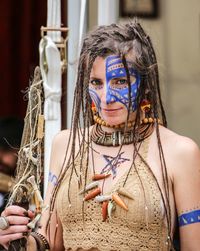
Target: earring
{"x":93,"y":107}
{"x":146,"y":112}
{"x":146,"y":108}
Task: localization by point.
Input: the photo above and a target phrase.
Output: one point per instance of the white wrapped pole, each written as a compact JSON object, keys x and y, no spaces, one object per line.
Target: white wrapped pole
{"x":82,"y":21}
{"x":77,"y":26}
{"x":54,"y":19}
{"x":108,"y":11}
{"x":50,"y":64}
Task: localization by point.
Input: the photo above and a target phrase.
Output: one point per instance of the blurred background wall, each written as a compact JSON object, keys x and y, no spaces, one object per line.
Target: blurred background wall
{"x":175,"y":32}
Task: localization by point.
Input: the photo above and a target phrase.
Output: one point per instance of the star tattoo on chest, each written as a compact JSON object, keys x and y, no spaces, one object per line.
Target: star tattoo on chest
{"x":112,"y":163}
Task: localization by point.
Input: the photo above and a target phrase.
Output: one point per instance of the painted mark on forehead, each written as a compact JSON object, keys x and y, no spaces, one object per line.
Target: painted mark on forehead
{"x":114,"y":67}
{"x":112,"y":59}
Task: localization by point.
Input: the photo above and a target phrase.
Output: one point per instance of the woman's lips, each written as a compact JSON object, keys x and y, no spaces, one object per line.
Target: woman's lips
{"x":109,"y":110}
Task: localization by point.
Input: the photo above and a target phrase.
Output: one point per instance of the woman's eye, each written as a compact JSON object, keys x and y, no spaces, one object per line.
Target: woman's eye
{"x":120,"y":83}
{"x":96,"y":83}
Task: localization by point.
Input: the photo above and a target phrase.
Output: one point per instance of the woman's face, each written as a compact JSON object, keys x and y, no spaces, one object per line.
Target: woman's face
{"x":108,"y":89}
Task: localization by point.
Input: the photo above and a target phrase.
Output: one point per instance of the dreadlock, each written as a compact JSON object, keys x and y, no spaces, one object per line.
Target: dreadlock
{"x":123,"y":40}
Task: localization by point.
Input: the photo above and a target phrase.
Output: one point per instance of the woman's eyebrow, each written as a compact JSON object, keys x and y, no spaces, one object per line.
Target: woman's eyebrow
{"x":119,"y":78}
{"x":95,"y":77}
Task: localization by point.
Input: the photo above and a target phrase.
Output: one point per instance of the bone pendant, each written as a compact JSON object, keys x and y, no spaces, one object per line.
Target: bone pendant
{"x":111,"y":208}
{"x":89,"y":186}
{"x":101,"y":198}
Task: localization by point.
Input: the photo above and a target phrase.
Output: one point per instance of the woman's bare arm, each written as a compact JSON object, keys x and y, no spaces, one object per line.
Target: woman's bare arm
{"x":58,"y":152}
{"x":186,"y":180}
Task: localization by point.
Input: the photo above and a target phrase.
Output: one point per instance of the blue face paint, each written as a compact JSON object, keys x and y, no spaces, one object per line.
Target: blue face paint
{"x":115,"y":70}
{"x":95,"y":98}
{"x":53,"y":179}
{"x":189,"y":218}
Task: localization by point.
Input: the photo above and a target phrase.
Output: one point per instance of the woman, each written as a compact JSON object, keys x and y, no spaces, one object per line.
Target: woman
{"x":122,"y":179}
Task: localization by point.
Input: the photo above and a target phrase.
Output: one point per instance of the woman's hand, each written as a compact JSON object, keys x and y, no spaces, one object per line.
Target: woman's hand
{"x":17,"y":219}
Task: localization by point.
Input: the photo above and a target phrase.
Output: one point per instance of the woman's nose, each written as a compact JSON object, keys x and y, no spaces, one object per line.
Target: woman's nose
{"x":107,"y":96}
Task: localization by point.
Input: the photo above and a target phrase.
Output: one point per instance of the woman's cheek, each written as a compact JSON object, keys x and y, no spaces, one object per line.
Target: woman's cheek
{"x":95,"y":98}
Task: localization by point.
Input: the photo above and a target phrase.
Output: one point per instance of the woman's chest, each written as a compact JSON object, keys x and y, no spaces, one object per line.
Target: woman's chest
{"x":109,"y":168}
{"x":129,"y":194}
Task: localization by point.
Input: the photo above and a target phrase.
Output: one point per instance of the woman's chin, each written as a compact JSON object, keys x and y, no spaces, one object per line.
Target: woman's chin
{"x":114,"y":121}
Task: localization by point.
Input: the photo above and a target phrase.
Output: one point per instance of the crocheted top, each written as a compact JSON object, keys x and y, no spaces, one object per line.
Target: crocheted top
{"x":141,"y":228}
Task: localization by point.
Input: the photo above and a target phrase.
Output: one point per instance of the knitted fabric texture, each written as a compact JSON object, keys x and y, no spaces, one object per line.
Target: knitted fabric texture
{"x":136,"y":229}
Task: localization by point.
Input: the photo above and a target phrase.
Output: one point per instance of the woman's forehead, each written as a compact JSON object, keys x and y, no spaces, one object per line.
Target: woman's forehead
{"x":108,"y":63}
{"x":105,"y":64}
{"x":98,"y":68}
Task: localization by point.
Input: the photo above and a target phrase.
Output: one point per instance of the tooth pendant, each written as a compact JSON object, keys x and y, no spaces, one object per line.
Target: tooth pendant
{"x":100,"y":176}
{"x":92,"y":194}
{"x":119,"y":201}
{"x":111,"y":208}
{"x":102,"y":198}
{"x":104,"y":210}
{"x":89,"y":186}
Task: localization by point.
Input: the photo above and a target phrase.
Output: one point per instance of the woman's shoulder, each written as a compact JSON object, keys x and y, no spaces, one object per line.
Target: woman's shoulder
{"x":177,"y":142}
{"x":59,"y":148}
{"x":61,"y":136}
{"x":182,"y":153}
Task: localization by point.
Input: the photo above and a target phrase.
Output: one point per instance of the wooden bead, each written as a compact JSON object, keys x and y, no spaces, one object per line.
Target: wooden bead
{"x":100,"y":121}
{"x":103,"y":123}
{"x":129,"y":124}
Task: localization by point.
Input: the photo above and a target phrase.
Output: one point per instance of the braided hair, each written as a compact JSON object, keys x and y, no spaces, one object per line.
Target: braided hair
{"x":123,"y":40}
